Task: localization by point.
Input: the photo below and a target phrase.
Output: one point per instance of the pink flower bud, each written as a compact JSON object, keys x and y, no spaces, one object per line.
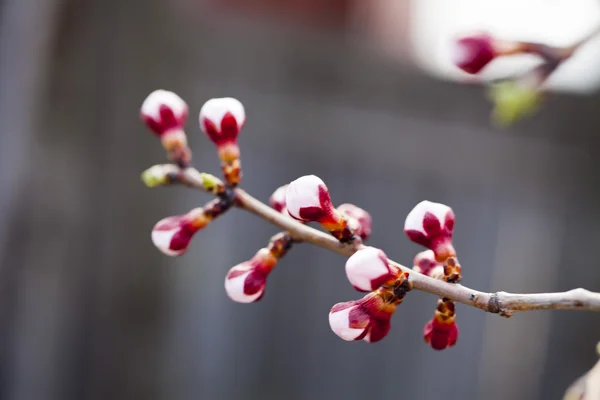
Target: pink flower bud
{"x":367,"y":318}
{"x":172,"y":235}
{"x":277,"y":199}
{"x":307,"y":199}
{"x":164,"y":111}
{"x":426,"y":264}
{"x":359,"y":221}
{"x":440,"y":335}
{"x":222,"y":120}
{"x":246,"y":282}
{"x":431,"y":225}
{"x":368,"y":269}
{"x":473,"y":53}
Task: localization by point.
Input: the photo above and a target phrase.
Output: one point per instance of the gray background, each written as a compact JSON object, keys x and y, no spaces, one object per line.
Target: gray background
{"x":89,"y":309}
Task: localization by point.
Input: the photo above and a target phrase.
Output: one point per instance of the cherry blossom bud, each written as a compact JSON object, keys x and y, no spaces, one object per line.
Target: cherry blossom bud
{"x":368,"y":269}
{"x":441,"y":331}
{"x":172,"y":235}
{"x":440,"y":336}
{"x":426,"y":264}
{"x":246,"y":282}
{"x":222,"y":119}
{"x":165,"y":114}
{"x":367,"y":319}
{"x":164,"y":111}
{"x":277,"y":199}
{"x":473,"y":53}
{"x":307,"y":199}
{"x":431,"y":225}
{"x":359,"y":221}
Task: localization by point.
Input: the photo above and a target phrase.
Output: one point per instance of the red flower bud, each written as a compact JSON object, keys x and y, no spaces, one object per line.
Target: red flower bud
{"x":367,"y":319}
{"x":440,"y":335}
{"x":426,"y":264}
{"x":368,"y":269}
{"x":172,"y":235}
{"x":222,"y":120}
{"x":164,"y":111}
{"x":246,"y":282}
{"x":359,"y":221}
{"x":431,"y":225}
{"x":473,"y":53}
{"x":442,"y":332}
{"x":277,"y":199}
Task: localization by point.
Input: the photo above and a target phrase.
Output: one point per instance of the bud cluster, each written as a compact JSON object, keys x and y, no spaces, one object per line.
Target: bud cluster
{"x":306,"y":199}
{"x":432,"y":225}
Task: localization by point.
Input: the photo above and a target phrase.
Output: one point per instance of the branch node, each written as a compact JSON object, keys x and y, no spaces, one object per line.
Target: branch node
{"x":494,"y":304}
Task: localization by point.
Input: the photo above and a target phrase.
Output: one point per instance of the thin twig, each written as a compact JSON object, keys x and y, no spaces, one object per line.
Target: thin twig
{"x":505,"y":304}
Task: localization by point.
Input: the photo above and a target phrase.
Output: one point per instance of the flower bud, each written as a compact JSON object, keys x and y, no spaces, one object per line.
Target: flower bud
{"x":159,"y":175}
{"x":307,"y":199}
{"x":164,"y":111}
{"x":367,"y":319}
{"x":359,"y":221}
{"x":441,"y":331}
{"x":431,"y":225}
{"x":473,"y":53}
{"x":368,"y":269}
{"x":277,"y":199}
{"x":172,"y":235}
{"x":222,"y":119}
{"x":426,"y":264}
{"x":246,"y":282}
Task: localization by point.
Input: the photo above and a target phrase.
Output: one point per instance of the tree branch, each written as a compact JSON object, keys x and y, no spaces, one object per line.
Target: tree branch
{"x":503,"y":303}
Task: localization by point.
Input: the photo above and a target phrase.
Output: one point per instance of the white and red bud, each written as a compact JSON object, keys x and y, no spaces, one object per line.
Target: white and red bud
{"x":246,"y":282}
{"x":369,"y":268}
{"x":441,"y":331}
{"x":164,"y":111}
{"x":222,"y":119}
{"x":473,"y":53}
{"x":277,"y":199}
{"x":431,"y":225}
{"x":367,"y":319}
{"x":359,"y":221}
{"x":307,"y":199}
{"x":426,"y":264}
{"x":165,"y":114}
{"x":172,"y":235}
{"x":440,"y":336}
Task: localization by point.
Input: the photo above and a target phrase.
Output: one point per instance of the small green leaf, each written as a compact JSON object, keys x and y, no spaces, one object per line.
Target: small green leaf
{"x":513,"y":100}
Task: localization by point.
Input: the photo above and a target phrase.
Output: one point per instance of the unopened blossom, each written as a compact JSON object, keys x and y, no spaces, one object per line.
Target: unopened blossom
{"x":246,"y":282}
{"x":277,"y":199}
{"x":307,"y":199}
{"x":367,"y":319}
{"x":441,"y":331}
{"x":369,"y":268}
{"x":222,"y":119}
{"x":359,"y":221}
{"x":164,"y":111}
{"x":172,"y":235}
{"x":473,"y":53}
{"x":426,"y":264}
{"x":431,"y":225}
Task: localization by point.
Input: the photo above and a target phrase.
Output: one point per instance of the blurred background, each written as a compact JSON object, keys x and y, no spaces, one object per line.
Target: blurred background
{"x":357,"y":92}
